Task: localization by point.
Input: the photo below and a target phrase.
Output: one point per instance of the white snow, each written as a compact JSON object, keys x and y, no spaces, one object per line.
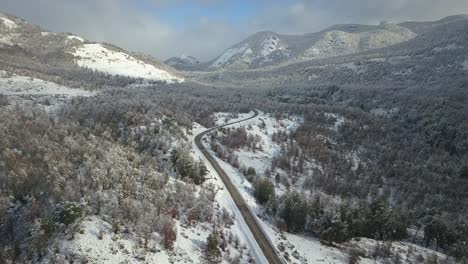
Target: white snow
{"x":261,"y":159}
{"x":8,"y":23}
{"x":98,"y":244}
{"x":352,"y":66}
{"x":407,"y":253}
{"x":224,"y":117}
{"x":339,"y":120}
{"x":378,"y":60}
{"x":100,"y":58}
{"x":465,"y":65}
{"x":80,"y":39}
{"x":8,"y":39}
{"x":385,"y":112}
{"x":227,"y":55}
{"x":312,"y":251}
{"x":269,"y":45}
{"x":22,"y":85}
{"x":451,"y":46}
{"x":336,"y":42}
{"x":225,"y":200}
{"x":188,"y":59}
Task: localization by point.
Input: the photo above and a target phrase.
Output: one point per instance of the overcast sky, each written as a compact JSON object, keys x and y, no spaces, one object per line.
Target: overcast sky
{"x":204,"y":28}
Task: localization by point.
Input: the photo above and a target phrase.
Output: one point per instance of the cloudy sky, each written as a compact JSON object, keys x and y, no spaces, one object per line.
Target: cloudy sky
{"x":204,"y":28}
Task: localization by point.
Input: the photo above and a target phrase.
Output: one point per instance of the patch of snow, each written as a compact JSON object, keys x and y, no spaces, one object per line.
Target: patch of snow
{"x":263,"y":126}
{"x":8,"y":23}
{"x":355,"y":160}
{"x":407,"y":253}
{"x":339,"y":120}
{"x":465,"y":65}
{"x":224,"y":118}
{"x":227,"y":55}
{"x":44,"y":33}
{"x":352,"y":66}
{"x":385,"y":112}
{"x":75,"y":38}
{"x":403,"y":72}
{"x":312,"y":251}
{"x":98,"y":244}
{"x":22,"y":85}
{"x":378,"y":60}
{"x":7,"y":39}
{"x":335,"y":42}
{"x":452,"y":46}
{"x":269,"y":45}
{"x":99,"y":58}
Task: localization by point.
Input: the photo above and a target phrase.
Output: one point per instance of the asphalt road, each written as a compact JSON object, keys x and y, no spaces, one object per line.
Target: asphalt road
{"x":264,"y":243}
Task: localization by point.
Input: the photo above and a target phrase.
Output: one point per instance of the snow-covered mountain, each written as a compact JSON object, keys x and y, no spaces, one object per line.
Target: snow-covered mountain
{"x":260,"y":49}
{"x":24,"y":38}
{"x":349,"y":39}
{"x":182,"y":60}
{"x":271,"y":49}
{"x":411,"y":52}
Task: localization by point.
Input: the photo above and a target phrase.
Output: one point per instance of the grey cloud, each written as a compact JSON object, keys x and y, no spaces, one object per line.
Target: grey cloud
{"x":121,"y":23}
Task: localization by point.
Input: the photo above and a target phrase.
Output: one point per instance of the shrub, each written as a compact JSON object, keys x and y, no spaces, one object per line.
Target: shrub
{"x":70,"y":212}
{"x":264,"y":189}
{"x":169,"y":234}
{"x":48,"y":227}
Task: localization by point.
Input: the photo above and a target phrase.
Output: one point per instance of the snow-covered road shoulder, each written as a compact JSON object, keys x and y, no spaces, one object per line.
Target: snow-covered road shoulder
{"x":225,"y":200}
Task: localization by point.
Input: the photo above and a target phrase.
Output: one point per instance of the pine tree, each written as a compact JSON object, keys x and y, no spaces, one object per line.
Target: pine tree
{"x":212,"y":253}
{"x":264,"y":189}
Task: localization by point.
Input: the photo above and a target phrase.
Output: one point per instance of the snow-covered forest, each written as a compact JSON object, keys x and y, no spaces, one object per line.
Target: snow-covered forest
{"x":355,"y":156}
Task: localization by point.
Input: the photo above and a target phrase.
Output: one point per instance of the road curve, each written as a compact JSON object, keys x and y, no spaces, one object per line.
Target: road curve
{"x":264,"y":243}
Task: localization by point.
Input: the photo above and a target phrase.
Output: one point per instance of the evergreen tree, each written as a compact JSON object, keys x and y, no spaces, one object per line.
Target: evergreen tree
{"x":333,"y":229}
{"x":212,"y":252}
{"x":294,"y":211}
{"x":264,"y":189}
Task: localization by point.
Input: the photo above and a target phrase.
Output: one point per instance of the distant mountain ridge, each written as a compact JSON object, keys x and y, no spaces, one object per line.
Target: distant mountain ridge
{"x":183,"y":62}
{"x":268,"y":48}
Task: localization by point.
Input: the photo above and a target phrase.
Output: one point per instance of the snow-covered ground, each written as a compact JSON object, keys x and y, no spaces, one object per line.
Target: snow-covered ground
{"x":22,"y":85}
{"x":224,"y":118}
{"x":8,"y":23}
{"x":406,"y":253}
{"x":339,"y":120}
{"x":97,"y":57}
{"x":97,"y":243}
{"x":465,"y":65}
{"x":72,"y":37}
{"x":263,"y":126}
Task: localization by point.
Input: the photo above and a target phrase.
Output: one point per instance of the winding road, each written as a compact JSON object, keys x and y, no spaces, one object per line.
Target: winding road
{"x":261,"y":238}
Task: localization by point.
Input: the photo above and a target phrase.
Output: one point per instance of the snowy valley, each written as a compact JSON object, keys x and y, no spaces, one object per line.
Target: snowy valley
{"x":344,"y":146}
